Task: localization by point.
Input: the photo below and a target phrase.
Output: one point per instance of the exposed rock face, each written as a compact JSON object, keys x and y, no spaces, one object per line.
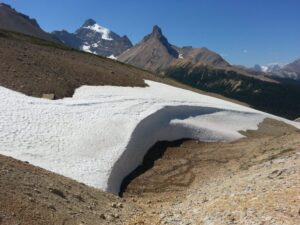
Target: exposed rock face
{"x":93,"y":38}
{"x":155,"y":53}
{"x":10,"y":19}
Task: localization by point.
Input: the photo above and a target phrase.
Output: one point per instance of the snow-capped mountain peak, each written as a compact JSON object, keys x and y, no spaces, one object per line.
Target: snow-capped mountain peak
{"x":94,"y":38}
{"x":100,"y":29}
{"x":269,"y":68}
{"x":290,"y":71}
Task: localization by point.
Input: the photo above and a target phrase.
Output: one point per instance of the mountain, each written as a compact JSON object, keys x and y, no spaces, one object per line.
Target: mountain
{"x":94,"y":38}
{"x":294,"y":66}
{"x":269,"y":68}
{"x":292,"y":70}
{"x":10,"y":19}
{"x":289,"y":71}
{"x":155,"y":53}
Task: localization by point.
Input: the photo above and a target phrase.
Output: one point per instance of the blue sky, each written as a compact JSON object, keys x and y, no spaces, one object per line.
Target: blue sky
{"x":243,"y":31}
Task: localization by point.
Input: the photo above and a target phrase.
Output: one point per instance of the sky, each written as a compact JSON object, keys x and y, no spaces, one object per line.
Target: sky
{"x":244,"y":32}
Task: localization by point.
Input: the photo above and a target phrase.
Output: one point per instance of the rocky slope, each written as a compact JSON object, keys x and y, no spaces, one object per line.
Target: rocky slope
{"x":155,"y":53}
{"x":10,"y":19}
{"x":92,"y":37}
{"x":30,"y":195}
{"x":251,"y":181}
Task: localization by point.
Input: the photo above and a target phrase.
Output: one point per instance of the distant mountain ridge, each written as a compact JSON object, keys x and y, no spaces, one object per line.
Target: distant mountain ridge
{"x":12,"y":20}
{"x":290,"y":71}
{"x":155,"y":53}
{"x":94,"y":38}
{"x":269,"y":68}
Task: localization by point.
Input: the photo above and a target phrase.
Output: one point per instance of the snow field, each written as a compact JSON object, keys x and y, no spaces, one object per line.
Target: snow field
{"x":102,"y":133}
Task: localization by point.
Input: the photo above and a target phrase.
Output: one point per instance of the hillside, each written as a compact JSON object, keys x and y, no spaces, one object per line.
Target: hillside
{"x":30,"y":196}
{"x":279,"y":97}
{"x":10,"y":19}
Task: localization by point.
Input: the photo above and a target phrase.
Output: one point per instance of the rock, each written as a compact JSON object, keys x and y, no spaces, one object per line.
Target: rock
{"x":204,"y":200}
{"x":50,"y":206}
{"x":268,"y":218}
{"x":36,"y":190}
{"x":276,"y":173}
{"x":162,"y":215}
{"x":120,"y":205}
{"x":102,"y":216}
{"x":79,"y":197}
{"x":49,"y":96}
{"x":57,"y":192}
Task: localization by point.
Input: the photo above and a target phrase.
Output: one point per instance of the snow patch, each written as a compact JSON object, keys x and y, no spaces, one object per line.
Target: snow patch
{"x":87,"y":48}
{"x":112,"y":57}
{"x":180,"y":56}
{"x":264,"y":69}
{"x":102,"y":30}
{"x":102,"y":133}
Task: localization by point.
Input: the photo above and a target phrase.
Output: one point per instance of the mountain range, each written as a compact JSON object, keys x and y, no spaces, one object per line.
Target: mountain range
{"x":199,"y":68}
{"x":153,"y":52}
{"x":291,"y":70}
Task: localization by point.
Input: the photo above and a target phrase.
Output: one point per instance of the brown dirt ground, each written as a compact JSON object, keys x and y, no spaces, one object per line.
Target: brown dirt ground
{"x":255,"y":180}
{"x":32,"y":196}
